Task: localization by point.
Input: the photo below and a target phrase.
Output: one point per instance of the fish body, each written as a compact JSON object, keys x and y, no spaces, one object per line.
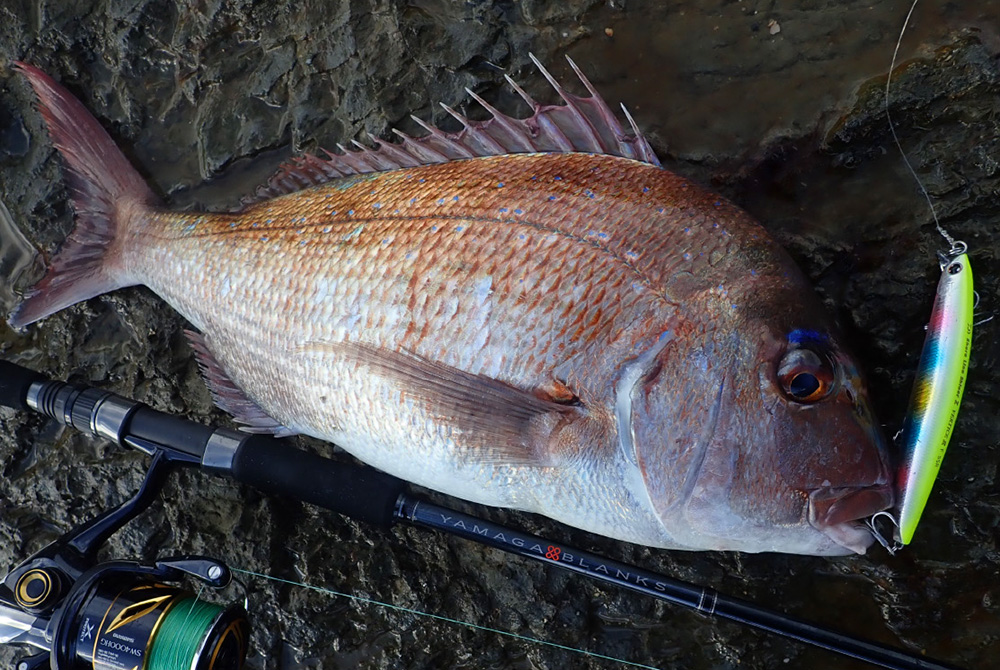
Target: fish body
{"x":937,"y":392}
{"x":578,"y":334}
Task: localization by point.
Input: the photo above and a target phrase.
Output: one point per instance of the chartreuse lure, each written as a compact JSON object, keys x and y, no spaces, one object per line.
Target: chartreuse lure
{"x":937,"y":390}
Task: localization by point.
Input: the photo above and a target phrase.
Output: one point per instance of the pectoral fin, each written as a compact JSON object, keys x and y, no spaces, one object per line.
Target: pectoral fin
{"x":496,"y":422}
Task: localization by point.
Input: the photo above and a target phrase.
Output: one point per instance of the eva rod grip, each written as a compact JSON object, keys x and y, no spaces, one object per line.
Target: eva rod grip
{"x":275,"y":466}
{"x":14,"y":383}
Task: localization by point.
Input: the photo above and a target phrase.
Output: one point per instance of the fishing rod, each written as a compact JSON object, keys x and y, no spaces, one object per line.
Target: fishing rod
{"x":357,"y":491}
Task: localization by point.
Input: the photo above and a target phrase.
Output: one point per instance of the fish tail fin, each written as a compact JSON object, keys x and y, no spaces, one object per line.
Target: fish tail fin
{"x":107,"y":193}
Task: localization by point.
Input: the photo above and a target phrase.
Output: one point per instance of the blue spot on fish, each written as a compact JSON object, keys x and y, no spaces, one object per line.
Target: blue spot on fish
{"x":806,"y":336}
{"x":521,"y":236}
{"x":500,"y":184}
{"x":587,"y":192}
{"x":687,"y":256}
{"x":503,"y":210}
{"x":687,"y":230}
{"x":664,"y":335}
{"x":422,"y":180}
{"x":551,"y":198}
{"x":350,"y":212}
{"x":413,"y":201}
{"x":440,"y":201}
{"x":377,"y":205}
{"x":557,"y":178}
{"x":459,"y":229}
{"x":233,"y":224}
{"x":645,"y":189}
{"x":517,"y":211}
{"x":603,"y":236}
{"x":455,"y":199}
{"x":434,"y":229}
{"x":659,"y":210}
{"x":718,"y":203}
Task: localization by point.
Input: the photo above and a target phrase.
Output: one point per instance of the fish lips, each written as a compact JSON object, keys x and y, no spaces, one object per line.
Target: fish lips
{"x":839,"y":511}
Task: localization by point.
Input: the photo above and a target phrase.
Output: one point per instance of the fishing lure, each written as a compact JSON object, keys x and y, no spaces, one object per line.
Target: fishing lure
{"x":937,"y":390}
{"x":940,"y":380}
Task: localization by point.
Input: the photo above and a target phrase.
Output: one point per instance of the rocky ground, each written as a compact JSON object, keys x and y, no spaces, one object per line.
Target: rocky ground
{"x":780,"y":109}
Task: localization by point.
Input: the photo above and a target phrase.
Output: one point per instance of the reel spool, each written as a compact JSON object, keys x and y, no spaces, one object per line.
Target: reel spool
{"x":154,"y":626}
{"x":120,"y":615}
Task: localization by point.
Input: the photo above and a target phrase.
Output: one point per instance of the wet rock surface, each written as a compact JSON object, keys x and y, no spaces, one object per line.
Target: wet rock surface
{"x":207,"y":97}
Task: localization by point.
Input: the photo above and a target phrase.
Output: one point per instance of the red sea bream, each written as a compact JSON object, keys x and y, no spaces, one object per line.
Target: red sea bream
{"x":530,"y":313}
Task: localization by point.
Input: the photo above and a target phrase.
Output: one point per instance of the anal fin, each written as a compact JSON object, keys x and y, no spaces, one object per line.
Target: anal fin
{"x":230,"y":397}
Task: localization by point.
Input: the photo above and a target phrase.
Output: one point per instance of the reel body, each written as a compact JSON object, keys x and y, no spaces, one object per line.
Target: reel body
{"x":119,"y":615}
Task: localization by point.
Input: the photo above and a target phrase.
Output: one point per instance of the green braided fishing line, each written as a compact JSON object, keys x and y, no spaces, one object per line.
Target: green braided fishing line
{"x":181,"y":633}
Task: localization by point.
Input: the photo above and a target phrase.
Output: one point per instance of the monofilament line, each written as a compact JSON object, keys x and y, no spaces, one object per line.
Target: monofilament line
{"x":408,"y":610}
{"x":952,"y":243}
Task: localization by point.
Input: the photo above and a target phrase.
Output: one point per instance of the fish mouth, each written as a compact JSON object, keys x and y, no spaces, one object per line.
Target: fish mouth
{"x":839,"y":512}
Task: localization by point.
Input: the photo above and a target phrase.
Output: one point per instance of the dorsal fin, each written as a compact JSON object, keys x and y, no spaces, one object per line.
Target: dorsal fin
{"x":584,"y":124}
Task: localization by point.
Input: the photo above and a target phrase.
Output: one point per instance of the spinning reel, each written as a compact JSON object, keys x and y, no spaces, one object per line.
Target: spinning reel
{"x":119,"y":615}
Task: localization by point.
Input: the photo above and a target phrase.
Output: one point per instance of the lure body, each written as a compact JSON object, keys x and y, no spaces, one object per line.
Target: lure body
{"x":937,"y":392}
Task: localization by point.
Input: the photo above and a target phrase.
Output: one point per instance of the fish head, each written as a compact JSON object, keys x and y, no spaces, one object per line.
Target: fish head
{"x":756,"y":434}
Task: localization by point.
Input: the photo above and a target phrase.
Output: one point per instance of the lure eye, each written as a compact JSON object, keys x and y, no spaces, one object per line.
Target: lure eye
{"x":804,"y":376}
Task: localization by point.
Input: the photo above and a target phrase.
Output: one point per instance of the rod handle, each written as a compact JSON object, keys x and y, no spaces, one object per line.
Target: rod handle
{"x":15,"y":381}
{"x":356,"y":491}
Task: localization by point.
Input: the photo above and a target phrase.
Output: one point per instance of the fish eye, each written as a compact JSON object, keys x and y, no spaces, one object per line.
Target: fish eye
{"x":805,"y":376}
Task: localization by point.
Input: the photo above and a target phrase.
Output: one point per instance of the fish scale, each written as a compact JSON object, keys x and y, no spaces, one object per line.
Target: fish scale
{"x":557,"y":253}
{"x":578,"y":334}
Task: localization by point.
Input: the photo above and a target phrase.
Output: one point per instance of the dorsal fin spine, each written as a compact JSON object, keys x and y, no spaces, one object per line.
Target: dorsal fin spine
{"x":584,"y":124}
